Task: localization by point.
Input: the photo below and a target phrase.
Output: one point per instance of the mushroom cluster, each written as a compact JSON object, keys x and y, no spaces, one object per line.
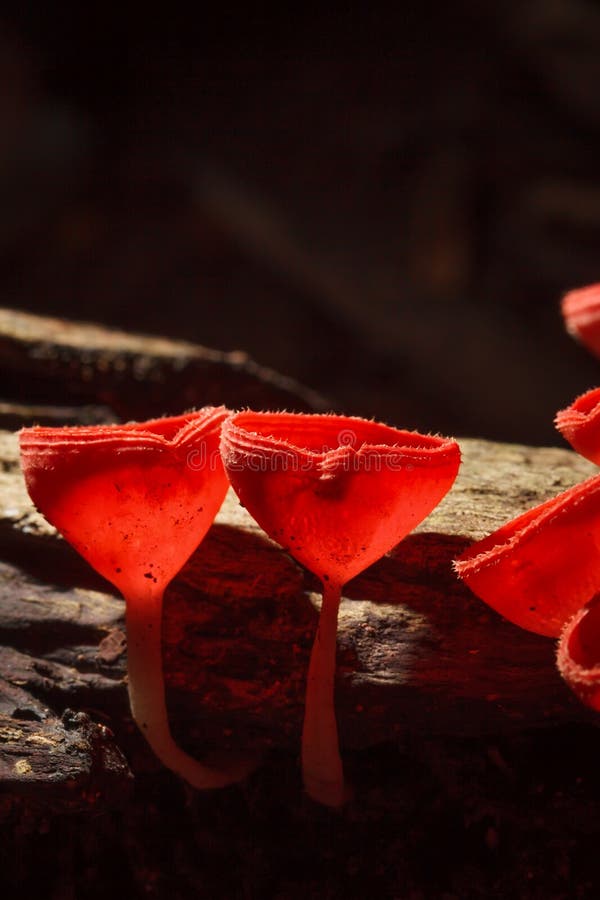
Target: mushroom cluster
{"x":542,"y":569}
{"x":136,"y":500}
{"x":337,"y":493}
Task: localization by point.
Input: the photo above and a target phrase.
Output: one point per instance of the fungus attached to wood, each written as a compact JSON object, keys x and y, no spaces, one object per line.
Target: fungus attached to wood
{"x":337,"y":493}
{"x":135,"y":501}
{"x":579,"y":424}
{"x":540,"y":568}
{"x":578,"y":656}
{"x":540,"y":571}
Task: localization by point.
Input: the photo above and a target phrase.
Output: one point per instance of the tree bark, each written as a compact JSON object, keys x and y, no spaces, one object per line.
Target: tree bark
{"x":47,"y":360}
{"x":417,"y":652}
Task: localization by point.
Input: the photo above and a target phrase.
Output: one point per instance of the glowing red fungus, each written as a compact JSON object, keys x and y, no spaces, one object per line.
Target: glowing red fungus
{"x":579,"y":424}
{"x":581,"y":312}
{"x":539,"y":569}
{"x":135,"y":500}
{"x":338,"y":493}
{"x":542,"y":569}
{"x":578,"y":656}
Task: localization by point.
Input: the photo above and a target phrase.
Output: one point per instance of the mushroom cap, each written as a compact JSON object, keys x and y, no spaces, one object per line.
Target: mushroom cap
{"x":578,"y":655}
{"x":337,"y":492}
{"x":579,"y":424}
{"x":581,"y":312}
{"x":134,"y":500}
{"x":541,"y":567}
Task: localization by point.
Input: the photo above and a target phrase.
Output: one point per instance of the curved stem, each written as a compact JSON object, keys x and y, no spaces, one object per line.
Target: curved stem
{"x":321,"y":763}
{"x":147,"y":694}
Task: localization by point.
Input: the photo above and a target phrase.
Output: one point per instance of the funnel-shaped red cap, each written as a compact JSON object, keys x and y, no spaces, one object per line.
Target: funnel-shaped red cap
{"x":337,"y":492}
{"x":579,"y":424}
{"x":540,"y":568}
{"x":578,"y":656}
{"x":135,"y":500}
{"x":581,"y":312}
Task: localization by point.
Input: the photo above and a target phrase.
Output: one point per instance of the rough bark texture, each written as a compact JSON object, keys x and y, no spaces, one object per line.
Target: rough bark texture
{"x":455,"y":727}
{"x":386,"y":206}
{"x":137,"y":376}
{"x":416,"y":651}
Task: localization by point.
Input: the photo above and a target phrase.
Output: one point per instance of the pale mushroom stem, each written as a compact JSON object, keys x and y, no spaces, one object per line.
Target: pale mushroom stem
{"x":147,"y":694}
{"x":321,"y":762}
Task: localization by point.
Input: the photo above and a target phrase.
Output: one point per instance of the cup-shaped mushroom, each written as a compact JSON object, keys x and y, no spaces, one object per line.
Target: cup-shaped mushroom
{"x":579,"y":424}
{"x":578,"y":655}
{"x":540,"y":568}
{"x":135,"y":501}
{"x":337,"y":493}
{"x":581,"y":312}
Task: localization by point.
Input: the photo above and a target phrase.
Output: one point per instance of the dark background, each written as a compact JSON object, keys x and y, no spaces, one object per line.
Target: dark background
{"x":387,"y":206}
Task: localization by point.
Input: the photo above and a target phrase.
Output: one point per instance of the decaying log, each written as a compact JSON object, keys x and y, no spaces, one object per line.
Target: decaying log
{"x":416,"y":651}
{"x":54,"y":361}
{"x":68,"y":763}
{"x":19,"y":415}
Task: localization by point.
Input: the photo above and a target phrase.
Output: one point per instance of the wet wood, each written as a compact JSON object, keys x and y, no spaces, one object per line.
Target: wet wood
{"x":416,"y":651}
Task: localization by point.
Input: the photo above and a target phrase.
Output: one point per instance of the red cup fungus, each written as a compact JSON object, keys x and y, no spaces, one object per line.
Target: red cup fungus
{"x":578,"y":656}
{"x":581,"y":312}
{"x":539,"y":569}
{"x":337,"y":493}
{"x":135,"y":501}
{"x":542,"y":572}
{"x":542,"y":569}
{"x":579,"y":424}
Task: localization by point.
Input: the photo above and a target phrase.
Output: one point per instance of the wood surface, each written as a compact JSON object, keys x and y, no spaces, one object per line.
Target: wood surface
{"x":57,"y":362}
{"x":417,"y":653}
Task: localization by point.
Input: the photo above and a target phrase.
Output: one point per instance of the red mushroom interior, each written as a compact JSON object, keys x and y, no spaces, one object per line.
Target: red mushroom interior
{"x":540,"y":568}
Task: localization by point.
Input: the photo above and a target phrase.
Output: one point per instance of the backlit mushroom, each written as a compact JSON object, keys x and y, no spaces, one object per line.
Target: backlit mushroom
{"x":338,"y":493}
{"x":540,"y":571}
{"x":581,"y":312}
{"x":579,"y":424}
{"x":540,"y":568}
{"x":135,"y":500}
